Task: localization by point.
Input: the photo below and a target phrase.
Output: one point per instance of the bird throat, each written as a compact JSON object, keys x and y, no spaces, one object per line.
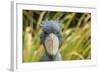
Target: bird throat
{"x":51,"y":57}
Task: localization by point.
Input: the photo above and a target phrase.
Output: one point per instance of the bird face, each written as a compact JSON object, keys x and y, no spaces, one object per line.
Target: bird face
{"x":51,"y":44}
{"x":51,"y":37}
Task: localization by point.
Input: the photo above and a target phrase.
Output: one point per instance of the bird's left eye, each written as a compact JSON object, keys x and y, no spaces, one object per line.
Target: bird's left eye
{"x":57,"y":32}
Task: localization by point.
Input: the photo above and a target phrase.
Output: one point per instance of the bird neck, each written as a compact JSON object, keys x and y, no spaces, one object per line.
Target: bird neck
{"x":57,"y":57}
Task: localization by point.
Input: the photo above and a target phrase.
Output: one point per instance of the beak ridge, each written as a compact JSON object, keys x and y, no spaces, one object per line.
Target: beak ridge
{"x":52,"y":44}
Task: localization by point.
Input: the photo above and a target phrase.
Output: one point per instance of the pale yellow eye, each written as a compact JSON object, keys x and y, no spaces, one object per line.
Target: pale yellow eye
{"x":52,"y":44}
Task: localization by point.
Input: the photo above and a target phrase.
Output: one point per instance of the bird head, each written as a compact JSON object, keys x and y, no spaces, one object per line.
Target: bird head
{"x":51,"y":36}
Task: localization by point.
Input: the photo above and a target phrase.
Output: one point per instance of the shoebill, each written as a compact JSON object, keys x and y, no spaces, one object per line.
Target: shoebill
{"x":51,"y":37}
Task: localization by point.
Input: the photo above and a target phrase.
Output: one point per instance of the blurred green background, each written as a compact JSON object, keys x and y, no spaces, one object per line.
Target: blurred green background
{"x":76,"y":34}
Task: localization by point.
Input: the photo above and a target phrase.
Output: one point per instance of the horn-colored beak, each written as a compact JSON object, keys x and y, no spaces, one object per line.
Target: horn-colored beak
{"x":52,"y":44}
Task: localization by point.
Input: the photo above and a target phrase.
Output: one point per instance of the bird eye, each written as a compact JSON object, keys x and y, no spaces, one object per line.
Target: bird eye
{"x":46,"y":32}
{"x":57,"y":32}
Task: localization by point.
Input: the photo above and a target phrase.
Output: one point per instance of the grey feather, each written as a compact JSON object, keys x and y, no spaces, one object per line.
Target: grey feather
{"x":54,"y":27}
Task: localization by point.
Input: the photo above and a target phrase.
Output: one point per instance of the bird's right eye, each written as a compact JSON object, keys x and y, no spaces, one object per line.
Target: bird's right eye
{"x":46,"y":33}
